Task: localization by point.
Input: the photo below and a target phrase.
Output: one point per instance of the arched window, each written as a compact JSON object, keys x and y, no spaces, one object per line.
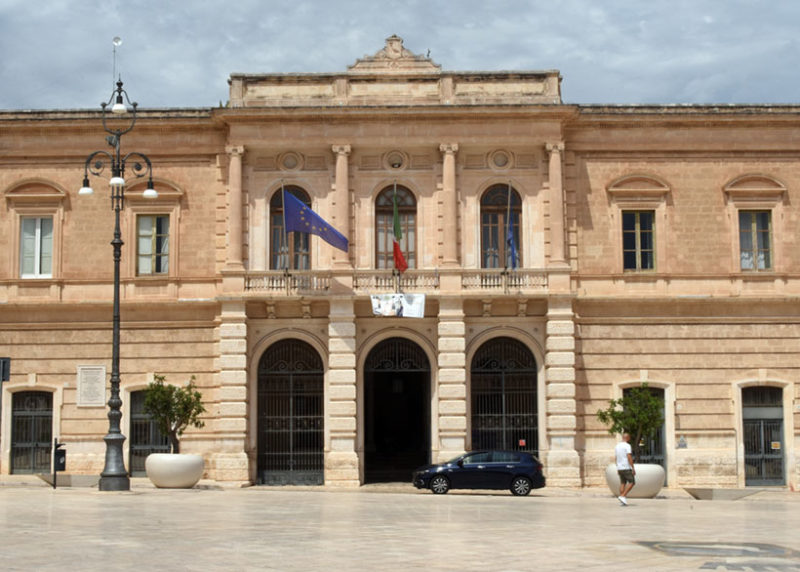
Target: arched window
{"x":384,"y":226}
{"x":287,"y":251}
{"x":495,"y":209}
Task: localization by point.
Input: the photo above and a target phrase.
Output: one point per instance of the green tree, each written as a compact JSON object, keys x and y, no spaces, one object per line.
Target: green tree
{"x":639,"y":412}
{"x":174,"y":408}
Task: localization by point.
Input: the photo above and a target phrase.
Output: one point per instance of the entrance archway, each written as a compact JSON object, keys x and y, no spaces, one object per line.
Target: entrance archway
{"x":503,"y":390}
{"x":290,"y":449}
{"x":396,"y":411}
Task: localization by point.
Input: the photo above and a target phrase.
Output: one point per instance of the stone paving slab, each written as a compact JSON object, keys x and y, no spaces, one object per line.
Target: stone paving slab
{"x":397,"y":528}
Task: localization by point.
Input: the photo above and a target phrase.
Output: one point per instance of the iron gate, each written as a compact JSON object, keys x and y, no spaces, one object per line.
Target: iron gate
{"x":762,"y":412}
{"x":145,"y":436}
{"x":290,"y":415}
{"x":503,"y":392}
{"x":31,"y":432}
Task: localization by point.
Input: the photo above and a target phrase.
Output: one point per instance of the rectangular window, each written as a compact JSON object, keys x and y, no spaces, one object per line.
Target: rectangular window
{"x":754,"y":240}
{"x":36,"y":247}
{"x":152,"y":241}
{"x":638,"y":240}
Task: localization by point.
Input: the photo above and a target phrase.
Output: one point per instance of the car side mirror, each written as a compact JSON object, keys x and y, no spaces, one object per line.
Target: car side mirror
{"x":460,"y":463}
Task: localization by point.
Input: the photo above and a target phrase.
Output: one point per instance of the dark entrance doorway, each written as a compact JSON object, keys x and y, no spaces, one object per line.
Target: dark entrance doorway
{"x":762,"y":418}
{"x":145,"y":436}
{"x":290,"y":415}
{"x":396,"y":411}
{"x":503,"y":395}
{"x":31,"y":432}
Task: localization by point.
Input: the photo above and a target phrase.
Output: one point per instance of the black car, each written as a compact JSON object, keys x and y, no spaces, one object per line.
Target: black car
{"x":514,"y":470}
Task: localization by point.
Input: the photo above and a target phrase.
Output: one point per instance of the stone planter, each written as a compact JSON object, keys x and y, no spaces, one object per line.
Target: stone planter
{"x":168,"y":471}
{"x":649,"y":480}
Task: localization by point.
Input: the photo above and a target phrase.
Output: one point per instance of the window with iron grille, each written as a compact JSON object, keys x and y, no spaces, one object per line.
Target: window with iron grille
{"x":638,"y":240}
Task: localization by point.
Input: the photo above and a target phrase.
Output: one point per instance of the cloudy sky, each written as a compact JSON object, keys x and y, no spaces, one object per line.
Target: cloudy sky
{"x":57,"y":54}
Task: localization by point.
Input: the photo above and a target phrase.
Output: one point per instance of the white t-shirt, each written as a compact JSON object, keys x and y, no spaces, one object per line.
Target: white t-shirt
{"x":622,"y":450}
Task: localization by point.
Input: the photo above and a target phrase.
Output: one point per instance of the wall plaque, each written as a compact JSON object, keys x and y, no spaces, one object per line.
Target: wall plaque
{"x":91,"y":386}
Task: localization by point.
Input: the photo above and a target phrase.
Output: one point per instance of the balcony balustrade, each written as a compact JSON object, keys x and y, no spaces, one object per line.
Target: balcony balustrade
{"x":366,"y":282}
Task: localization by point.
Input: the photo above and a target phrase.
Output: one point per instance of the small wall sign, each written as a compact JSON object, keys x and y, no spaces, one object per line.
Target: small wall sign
{"x":91,"y":385}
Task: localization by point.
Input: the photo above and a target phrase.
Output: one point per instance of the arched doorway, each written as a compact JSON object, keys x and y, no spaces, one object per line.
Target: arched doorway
{"x":31,"y":432}
{"x":503,"y":388}
{"x":396,"y":411}
{"x":290,"y":442}
{"x":762,"y":420}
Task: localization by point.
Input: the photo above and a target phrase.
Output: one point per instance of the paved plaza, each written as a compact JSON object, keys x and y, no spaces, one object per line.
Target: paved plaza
{"x":390,"y":528}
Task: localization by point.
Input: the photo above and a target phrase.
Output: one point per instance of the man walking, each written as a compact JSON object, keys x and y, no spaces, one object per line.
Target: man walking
{"x":625,"y":468}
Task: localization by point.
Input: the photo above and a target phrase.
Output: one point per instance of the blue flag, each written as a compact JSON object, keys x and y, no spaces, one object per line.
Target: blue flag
{"x":512,"y":246}
{"x":300,"y":218}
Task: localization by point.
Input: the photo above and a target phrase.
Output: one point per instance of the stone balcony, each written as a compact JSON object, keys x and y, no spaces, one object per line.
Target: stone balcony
{"x":476,"y":282}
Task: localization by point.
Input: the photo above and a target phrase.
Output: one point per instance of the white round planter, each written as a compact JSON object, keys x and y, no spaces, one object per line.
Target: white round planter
{"x":649,"y":480}
{"x":168,"y":471}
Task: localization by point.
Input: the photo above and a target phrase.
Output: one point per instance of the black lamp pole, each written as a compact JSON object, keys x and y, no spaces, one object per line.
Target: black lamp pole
{"x":114,"y":476}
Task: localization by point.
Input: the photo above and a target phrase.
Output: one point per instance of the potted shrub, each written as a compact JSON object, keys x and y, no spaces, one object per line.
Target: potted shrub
{"x":173,"y":409}
{"x":641,"y":414}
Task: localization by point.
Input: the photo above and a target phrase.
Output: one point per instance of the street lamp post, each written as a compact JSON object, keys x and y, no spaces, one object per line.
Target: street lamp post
{"x":114,"y":476}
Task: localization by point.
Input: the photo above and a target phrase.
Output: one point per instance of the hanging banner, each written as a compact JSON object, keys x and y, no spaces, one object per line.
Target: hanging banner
{"x":399,"y":305}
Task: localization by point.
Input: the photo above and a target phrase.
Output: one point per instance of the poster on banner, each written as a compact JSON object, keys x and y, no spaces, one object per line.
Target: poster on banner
{"x":399,"y":305}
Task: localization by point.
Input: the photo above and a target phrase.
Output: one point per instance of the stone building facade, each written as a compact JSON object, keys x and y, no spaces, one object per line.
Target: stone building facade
{"x":653,"y":244}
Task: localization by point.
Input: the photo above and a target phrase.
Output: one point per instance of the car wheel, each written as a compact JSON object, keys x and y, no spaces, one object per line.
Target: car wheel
{"x":440,"y":485}
{"x":521,"y":486}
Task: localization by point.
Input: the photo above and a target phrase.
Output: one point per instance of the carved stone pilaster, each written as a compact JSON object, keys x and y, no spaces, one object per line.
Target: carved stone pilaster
{"x":449,"y":205}
{"x":341,"y":211}
{"x":556,"y":189}
{"x":235,"y":215}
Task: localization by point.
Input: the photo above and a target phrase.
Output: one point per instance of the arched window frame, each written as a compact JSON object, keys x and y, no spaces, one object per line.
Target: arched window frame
{"x":494,"y":206}
{"x":384,"y":225}
{"x":297,"y":243}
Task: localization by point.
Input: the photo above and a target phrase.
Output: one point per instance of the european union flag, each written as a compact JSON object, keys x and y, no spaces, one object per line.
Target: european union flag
{"x":512,"y":245}
{"x":300,"y":218}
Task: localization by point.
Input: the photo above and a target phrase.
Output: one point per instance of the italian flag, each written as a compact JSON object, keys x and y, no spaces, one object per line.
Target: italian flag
{"x":399,"y":260}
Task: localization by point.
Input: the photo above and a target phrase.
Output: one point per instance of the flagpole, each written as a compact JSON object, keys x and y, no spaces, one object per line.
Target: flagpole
{"x":508,"y":222}
{"x":395,"y":272}
{"x":284,"y":235}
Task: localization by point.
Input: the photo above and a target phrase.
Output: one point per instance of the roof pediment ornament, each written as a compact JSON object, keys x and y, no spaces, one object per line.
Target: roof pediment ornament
{"x":755,"y":187}
{"x":394,"y":59}
{"x":638,"y":186}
